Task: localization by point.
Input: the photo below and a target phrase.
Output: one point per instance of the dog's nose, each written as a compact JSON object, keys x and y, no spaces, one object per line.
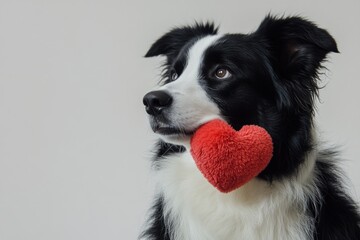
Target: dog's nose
{"x":156,"y":101}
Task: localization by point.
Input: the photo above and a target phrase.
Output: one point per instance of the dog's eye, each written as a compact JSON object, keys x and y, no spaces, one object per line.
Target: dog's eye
{"x":222,"y":73}
{"x":174,"y":76}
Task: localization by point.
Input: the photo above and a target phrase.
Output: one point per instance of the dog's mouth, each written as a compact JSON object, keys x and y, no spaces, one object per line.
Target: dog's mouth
{"x":168,"y":129}
{"x":171,"y":131}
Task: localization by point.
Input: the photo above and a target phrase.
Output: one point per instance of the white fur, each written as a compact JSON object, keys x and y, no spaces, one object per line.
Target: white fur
{"x":191,"y":106}
{"x":257,"y":210}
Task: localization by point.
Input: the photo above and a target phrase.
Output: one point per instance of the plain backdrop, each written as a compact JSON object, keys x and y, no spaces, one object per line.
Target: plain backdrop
{"x":74,"y":139}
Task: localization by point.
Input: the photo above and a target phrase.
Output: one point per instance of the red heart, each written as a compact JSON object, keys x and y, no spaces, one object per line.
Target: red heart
{"x":228,"y":158}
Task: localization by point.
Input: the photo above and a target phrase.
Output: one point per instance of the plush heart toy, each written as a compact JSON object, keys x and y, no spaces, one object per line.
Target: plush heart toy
{"x":228,"y":158}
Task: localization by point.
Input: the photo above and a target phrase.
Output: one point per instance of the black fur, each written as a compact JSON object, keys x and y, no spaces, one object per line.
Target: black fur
{"x":172,"y":42}
{"x":164,"y":149}
{"x":158,"y":230}
{"x":336,"y":215}
{"x":274,"y":84}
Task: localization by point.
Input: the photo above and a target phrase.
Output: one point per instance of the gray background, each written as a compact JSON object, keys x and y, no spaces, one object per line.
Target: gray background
{"x":74,"y":139}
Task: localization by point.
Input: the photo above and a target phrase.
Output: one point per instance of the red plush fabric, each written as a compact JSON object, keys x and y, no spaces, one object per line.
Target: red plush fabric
{"x":228,"y":158}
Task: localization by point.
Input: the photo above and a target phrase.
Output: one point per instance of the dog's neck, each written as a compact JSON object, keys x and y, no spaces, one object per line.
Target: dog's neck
{"x":255,"y":211}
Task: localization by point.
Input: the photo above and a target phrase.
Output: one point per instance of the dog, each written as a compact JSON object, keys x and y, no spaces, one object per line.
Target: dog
{"x":268,"y":78}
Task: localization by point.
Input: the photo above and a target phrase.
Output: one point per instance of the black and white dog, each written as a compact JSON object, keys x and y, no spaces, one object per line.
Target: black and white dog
{"x":268,"y":78}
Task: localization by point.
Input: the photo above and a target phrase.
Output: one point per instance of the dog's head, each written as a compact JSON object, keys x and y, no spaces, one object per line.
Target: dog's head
{"x":268,"y":78}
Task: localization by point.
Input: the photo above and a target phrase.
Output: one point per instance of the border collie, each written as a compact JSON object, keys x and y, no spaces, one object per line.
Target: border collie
{"x":268,"y":78}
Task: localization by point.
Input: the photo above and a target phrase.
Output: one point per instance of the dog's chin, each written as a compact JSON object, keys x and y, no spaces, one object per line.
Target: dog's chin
{"x":172,"y":134}
{"x":176,"y":133}
{"x":175,"y":136}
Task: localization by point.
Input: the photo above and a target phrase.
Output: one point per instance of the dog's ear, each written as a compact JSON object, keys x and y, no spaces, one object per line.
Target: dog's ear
{"x":297,"y":48}
{"x":171,"y":43}
{"x":299,"y":44}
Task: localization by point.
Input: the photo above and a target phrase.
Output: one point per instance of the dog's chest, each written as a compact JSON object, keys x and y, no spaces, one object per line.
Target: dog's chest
{"x":199,"y":211}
